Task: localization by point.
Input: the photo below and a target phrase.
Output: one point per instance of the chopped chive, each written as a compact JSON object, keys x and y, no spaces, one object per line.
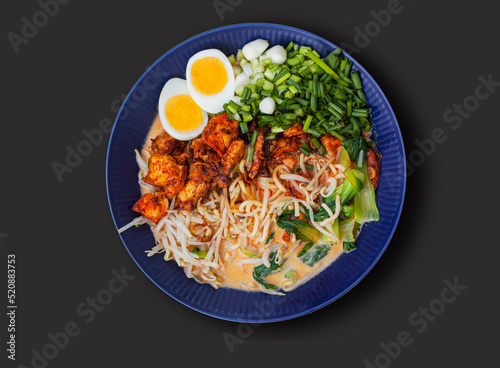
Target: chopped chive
{"x":254,"y":138}
{"x":229,"y":113}
{"x":306,"y":153}
{"x":307,"y":124}
{"x":244,"y":127}
{"x":337,"y":135}
{"x":322,"y":65}
{"x":313,"y":132}
{"x":252,"y":153}
{"x":356,"y":80}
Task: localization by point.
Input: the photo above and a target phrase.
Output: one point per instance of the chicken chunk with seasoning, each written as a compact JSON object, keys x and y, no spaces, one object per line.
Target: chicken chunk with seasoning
{"x":296,"y":130}
{"x":165,"y":144}
{"x":165,"y":173}
{"x":197,"y":186}
{"x":203,"y":152}
{"x":220,"y":132}
{"x":285,"y":151}
{"x":233,"y":156}
{"x":154,"y":206}
{"x":331,"y":144}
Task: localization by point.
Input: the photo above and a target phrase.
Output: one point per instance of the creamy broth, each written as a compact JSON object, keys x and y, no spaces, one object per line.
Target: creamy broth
{"x":240,"y":276}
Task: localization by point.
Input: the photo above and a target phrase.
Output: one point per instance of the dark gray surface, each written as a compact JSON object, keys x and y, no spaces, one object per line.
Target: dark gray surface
{"x":66,"y":78}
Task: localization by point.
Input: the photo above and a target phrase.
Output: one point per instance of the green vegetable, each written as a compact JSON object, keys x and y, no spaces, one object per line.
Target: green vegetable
{"x":365,"y":205}
{"x":356,"y":178}
{"x":200,"y":253}
{"x":302,"y":230}
{"x":291,"y":275}
{"x":247,"y":252}
{"x":347,"y":210}
{"x":269,"y":238}
{"x":349,"y":246}
{"x":305,"y":249}
{"x":261,"y":272}
{"x":322,"y":65}
{"x":336,"y":230}
{"x":353,"y":146}
{"x":343,"y":158}
{"x":315,"y":254}
{"x":347,"y":230}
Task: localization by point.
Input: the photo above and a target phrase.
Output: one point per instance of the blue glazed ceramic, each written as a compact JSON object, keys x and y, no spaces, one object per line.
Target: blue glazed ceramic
{"x":131,"y":127}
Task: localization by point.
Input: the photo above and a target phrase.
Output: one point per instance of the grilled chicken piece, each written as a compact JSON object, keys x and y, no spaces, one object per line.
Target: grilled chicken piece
{"x":331,"y":144}
{"x":373,"y":163}
{"x":154,"y":206}
{"x":284,"y":151}
{"x":295,"y":131}
{"x":165,"y":144}
{"x":203,"y":152}
{"x":220,"y":133}
{"x":233,"y":156}
{"x":258,"y":157}
{"x":165,"y":173}
{"x":197,"y":186}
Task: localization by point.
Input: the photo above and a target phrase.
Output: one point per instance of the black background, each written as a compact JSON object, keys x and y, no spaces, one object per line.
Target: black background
{"x":66,"y":78}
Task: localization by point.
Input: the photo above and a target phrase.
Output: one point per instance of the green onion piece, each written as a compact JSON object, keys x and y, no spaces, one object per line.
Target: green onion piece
{"x":337,"y":135}
{"x":349,"y":108}
{"x":247,"y":117}
{"x":246,"y":107}
{"x":313,"y":132}
{"x":306,"y":153}
{"x":361,"y":95}
{"x":283,"y":78}
{"x":363,"y":113}
{"x":232,"y":109}
{"x":314,"y":103}
{"x":277,"y":129}
{"x":267,"y":86}
{"x":269,"y":74}
{"x":252,"y":153}
{"x":302,"y":101}
{"x":270,"y":137}
{"x":290,"y":46}
{"x":306,"y":147}
{"x":244,"y":127}
{"x":231,"y":58}
{"x":276,"y":99}
{"x":234,"y":104}
{"x":307,"y":124}
{"x":229,"y":113}
{"x":316,"y":143}
{"x":322,"y":65}
{"x":254,"y":138}
{"x":299,"y":112}
{"x":356,"y":80}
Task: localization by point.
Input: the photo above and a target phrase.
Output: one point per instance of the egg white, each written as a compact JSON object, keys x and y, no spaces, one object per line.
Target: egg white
{"x":174,"y":87}
{"x":212,"y":103}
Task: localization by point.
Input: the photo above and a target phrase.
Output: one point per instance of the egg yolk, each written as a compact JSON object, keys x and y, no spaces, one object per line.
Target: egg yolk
{"x":183,"y":114}
{"x":208,"y":75}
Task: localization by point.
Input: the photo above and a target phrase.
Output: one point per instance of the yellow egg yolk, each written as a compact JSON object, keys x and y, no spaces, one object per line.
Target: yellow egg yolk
{"x":208,"y":75}
{"x":183,"y":114}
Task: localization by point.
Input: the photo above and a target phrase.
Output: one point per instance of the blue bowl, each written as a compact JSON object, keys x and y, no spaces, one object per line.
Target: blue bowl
{"x":131,"y":127}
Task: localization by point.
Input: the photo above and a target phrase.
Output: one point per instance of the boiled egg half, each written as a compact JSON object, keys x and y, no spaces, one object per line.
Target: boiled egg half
{"x":180,"y":115}
{"x":210,"y":79}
